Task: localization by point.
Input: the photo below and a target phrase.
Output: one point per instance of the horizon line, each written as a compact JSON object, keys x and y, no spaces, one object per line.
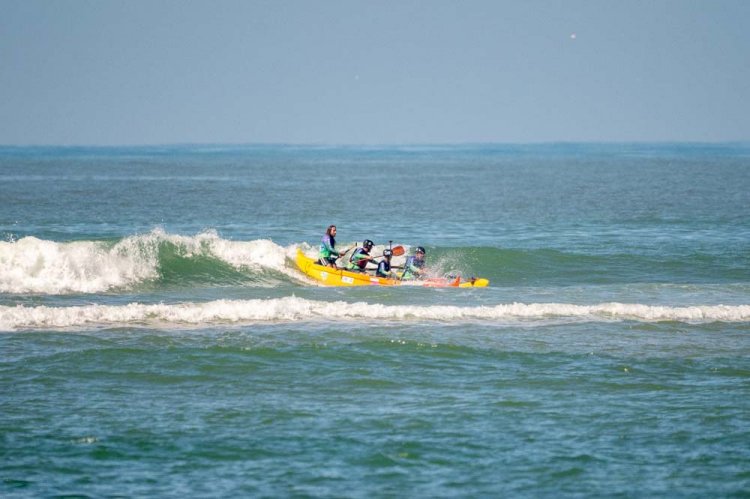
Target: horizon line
{"x":745,"y":142}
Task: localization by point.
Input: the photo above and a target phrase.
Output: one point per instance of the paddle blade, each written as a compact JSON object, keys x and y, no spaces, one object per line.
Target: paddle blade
{"x":398,"y":250}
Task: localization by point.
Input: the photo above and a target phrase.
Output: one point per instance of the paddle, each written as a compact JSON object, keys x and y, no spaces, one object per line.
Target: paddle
{"x":397,"y":251}
{"x":347,"y":250}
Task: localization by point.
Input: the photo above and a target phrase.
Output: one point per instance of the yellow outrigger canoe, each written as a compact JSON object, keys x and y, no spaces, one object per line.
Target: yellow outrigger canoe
{"x":340,"y":277}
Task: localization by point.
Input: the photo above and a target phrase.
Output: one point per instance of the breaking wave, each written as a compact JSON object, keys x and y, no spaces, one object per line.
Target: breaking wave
{"x":292,"y":309}
{"x":158,"y":259}
{"x":32,"y":265}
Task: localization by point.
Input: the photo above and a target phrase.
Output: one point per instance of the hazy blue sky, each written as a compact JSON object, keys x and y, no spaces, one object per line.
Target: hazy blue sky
{"x":369,"y":72}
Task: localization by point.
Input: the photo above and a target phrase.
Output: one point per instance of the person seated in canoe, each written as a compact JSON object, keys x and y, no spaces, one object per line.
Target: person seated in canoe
{"x":360,"y":257}
{"x":414,"y":265}
{"x":384,"y":266}
{"x":328,"y":253}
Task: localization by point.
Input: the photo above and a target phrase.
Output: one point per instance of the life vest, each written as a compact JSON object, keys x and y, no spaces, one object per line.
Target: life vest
{"x":384,"y":269}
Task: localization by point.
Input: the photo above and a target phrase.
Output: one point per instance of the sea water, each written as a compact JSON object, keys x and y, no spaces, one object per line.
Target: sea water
{"x":157,"y":340}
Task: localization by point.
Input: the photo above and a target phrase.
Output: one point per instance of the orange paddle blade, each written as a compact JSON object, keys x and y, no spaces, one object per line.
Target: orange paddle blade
{"x":398,"y":250}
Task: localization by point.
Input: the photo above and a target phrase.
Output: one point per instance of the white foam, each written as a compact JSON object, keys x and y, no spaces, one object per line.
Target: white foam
{"x":32,"y":265}
{"x":300,"y":309}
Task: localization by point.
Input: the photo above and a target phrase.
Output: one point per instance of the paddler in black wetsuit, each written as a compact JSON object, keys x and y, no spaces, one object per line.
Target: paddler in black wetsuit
{"x":384,"y":267}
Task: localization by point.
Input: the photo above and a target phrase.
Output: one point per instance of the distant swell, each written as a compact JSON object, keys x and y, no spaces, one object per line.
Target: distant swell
{"x":32,"y":265}
{"x":299,"y":309}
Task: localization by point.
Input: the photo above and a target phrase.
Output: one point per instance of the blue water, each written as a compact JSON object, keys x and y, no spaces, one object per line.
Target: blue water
{"x":156,"y":338}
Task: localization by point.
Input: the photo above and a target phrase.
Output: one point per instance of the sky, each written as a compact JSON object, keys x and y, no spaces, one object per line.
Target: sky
{"x":134,"y":72}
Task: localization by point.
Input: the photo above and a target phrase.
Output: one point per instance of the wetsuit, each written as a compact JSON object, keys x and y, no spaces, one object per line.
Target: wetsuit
{"x":384,"y":269}
{"x":358,"y":260}
{"x":328,"y":254}
{"x":412,"y":267}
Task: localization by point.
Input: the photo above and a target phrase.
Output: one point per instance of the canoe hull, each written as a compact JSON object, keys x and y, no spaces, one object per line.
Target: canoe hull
{"x":339,"y":277}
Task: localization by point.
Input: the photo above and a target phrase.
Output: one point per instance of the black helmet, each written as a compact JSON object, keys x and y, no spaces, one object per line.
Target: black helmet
{"x":367,"y":244}
{"x":420,"y":249}
{"x":387,"y":252}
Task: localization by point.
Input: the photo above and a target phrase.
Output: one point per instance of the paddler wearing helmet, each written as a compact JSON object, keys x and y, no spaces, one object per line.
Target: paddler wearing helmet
{"x":414,"y":265}
{"x":384,"y":266}
{"x":360,"y":257}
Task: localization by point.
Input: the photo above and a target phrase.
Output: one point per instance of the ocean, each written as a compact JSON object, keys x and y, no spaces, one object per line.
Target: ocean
{"x":156,"y":339}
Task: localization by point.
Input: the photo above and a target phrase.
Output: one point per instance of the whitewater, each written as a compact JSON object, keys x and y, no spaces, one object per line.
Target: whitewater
{"x":32,"y":265}
{"x":42,"y":267}
{"x":294,"y":309}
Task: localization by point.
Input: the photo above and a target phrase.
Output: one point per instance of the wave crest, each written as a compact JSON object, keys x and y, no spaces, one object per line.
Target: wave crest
{"x":292,"y":309}
{"x":32,"y":265}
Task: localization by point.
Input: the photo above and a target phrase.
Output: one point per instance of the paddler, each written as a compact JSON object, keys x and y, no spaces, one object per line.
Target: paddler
{"x":360,"y":257}
{"x":328,"y":253}
{"x":414,"y":265}
{"x":384,"y":266}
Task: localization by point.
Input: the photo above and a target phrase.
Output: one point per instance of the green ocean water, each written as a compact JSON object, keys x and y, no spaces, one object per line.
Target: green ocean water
{"x":157,"y":340}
